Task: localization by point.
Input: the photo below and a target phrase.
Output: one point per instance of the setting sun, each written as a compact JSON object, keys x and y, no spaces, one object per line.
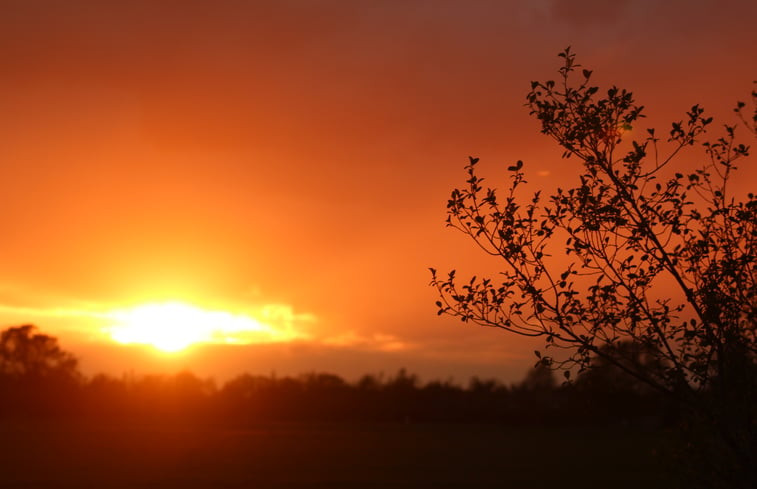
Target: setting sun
{"x":173,"y":326}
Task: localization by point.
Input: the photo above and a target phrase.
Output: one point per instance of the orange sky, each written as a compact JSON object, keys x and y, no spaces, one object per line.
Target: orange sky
{"x":298,"y":155}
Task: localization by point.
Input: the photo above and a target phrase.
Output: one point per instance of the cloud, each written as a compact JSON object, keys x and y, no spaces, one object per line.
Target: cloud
{"x":376,"y":342}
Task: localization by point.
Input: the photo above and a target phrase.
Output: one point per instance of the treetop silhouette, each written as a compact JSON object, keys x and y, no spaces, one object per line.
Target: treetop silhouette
{"x":652,"y":253}
{"x":30,"y":356}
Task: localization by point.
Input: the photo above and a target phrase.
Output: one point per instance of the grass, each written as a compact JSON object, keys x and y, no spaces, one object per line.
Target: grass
{"x":100,"y":455}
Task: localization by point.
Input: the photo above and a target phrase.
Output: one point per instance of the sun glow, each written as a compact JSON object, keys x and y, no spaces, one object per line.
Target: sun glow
{"x":174,"y":326}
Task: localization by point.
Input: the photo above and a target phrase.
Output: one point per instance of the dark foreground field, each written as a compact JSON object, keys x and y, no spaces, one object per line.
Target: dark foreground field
{"x":102,"y":455}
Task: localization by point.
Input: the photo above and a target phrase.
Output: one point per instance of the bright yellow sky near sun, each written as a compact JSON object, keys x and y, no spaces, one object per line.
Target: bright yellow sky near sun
{"x":173,"y":326}
{"x":273,"y":177}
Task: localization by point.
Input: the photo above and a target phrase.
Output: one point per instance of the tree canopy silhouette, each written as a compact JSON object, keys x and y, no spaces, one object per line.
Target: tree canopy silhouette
{"x":645,"y":250}
{"x":29,"y":356}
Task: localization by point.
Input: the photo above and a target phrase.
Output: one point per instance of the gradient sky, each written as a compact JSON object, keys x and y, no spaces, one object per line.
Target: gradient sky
{"x":296,"y":157}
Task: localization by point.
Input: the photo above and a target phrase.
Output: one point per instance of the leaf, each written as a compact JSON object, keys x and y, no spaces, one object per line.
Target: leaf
{"x":517,"y":166}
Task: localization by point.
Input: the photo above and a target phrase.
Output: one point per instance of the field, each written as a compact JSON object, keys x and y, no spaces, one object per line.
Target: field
{"x":101,"y":455}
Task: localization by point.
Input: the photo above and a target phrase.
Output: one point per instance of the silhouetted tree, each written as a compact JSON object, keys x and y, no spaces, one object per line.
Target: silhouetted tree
{"x":369,"y":383}
{"x":609,"y":395}
{"x":659,"y":256}
{"x":604,"y":375}
{"x":539,"y":378}
{"x":31,"y":357}
{"x":36,"y":375}
{"x":485,"y":386}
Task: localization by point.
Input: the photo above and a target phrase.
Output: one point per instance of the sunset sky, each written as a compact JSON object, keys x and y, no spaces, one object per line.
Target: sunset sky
{"x":280,"y":169}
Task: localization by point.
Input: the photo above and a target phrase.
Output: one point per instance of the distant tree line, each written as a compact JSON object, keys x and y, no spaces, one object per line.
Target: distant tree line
{"x":39,"y":379}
